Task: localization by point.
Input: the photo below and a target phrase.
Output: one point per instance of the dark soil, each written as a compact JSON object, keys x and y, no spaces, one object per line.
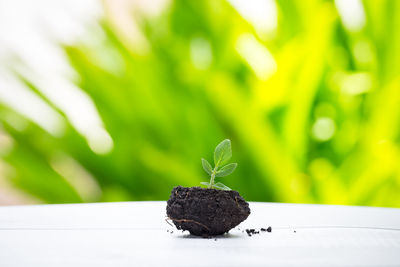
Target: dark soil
{"x":206,"y":212}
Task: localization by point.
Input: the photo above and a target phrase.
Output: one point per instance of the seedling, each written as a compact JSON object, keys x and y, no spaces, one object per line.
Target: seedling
{"x":205,"y":212}
{"x":222,"y":154}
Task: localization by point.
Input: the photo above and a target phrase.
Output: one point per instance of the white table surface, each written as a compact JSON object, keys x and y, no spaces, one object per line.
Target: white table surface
{"x":135,"y":234}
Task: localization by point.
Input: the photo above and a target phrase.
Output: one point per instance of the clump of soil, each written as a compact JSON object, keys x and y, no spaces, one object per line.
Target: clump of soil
{"x":206,"y":212}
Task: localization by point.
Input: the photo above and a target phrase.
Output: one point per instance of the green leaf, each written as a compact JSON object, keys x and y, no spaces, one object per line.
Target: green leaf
{"x":206,"y":166}
{"x":222,"y":153}
{"x":221,"y":186}
{"x":205,"y":183}
{"x":226,"y":170}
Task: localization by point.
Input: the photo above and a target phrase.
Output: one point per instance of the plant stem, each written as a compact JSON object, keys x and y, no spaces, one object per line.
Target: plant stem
{"x":212,"y":178}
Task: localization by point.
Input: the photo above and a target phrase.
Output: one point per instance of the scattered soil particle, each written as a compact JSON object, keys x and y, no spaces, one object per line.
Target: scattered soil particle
{"x":206,"y":212}
{"x":251,"y":232}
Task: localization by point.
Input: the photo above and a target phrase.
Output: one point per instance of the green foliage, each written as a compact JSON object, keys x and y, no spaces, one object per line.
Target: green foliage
{"x":226,"y":170}
{"x":313,"y":108}
{"x":218,"y":185}
{"x":206,"y":166}
{"x":222,"y":153}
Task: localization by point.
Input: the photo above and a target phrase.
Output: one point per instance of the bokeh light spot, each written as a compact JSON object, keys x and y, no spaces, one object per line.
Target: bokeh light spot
{"x":323,"y":129}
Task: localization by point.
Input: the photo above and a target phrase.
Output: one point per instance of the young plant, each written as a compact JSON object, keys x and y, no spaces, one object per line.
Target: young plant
{"x":222,"y":153}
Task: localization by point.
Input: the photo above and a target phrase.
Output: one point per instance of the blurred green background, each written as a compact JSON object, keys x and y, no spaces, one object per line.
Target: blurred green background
{"x":308,"y":92}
